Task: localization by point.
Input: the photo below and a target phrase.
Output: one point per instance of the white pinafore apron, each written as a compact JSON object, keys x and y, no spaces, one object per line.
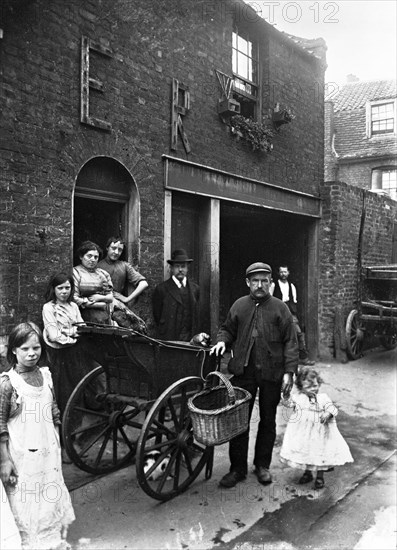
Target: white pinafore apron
{"x":40,"y":501}
{"x":10,"y":539}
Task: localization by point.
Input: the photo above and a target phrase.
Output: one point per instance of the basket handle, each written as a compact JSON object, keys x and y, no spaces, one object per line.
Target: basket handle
{"x":230,"y":390}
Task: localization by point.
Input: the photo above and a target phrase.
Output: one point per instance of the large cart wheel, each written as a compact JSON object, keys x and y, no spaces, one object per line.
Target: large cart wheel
{"x":354,"y":335}
{"x":168,"y":458}
{"x":99,"y":434}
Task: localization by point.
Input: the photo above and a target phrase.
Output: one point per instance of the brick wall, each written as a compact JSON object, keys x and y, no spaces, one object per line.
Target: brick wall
{"x":44,"y":145}
{"x":349,"y":155}
{"x":298,"y":155}
{"x":339,"y":240}
{"x":360,"y":173}
{"x":351,"y":139}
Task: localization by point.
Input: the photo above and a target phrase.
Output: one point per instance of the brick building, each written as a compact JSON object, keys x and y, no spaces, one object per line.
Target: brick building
{"x":361,"y":122}
{"x":359,"y":221}
{"x":116,"y":119}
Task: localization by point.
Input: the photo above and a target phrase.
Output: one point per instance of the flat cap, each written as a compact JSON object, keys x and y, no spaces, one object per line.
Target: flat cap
{"x":258,"y":267}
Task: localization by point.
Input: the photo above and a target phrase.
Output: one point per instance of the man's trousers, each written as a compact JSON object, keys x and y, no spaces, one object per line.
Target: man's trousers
{"x":269,"y":398}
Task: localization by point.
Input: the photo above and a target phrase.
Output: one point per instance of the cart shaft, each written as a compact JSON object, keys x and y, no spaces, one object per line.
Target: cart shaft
{"x":136,"y":402}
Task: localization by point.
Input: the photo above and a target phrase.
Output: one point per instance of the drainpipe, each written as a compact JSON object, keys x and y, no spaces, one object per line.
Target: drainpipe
{"x":330,"y":155}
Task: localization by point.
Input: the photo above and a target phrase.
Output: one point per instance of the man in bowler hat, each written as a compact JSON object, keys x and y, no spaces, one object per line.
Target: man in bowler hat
{"x":260,"y":330}
{"x":176,"y":301}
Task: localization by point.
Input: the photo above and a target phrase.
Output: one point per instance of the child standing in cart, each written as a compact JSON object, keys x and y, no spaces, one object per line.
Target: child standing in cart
{"x":312,"y":441}
{"x":30,"y":452}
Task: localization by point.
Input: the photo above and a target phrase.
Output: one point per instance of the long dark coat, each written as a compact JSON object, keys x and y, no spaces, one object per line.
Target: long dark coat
{"x":168,"y":309}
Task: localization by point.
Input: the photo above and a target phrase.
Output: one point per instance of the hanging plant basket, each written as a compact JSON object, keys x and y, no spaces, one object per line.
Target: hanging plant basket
{"x":256,"y":134}
{"x":281,"y":116}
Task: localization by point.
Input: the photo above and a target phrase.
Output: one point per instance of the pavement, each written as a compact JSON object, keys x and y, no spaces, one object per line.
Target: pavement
{"x":355,"y":510}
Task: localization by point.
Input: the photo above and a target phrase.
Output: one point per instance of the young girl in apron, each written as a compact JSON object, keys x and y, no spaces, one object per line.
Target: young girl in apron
{"x":30,"y":452}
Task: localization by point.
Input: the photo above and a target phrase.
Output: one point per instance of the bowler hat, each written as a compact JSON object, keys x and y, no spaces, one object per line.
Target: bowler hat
{"x":179,"y":256}
{"x":257,"y":267}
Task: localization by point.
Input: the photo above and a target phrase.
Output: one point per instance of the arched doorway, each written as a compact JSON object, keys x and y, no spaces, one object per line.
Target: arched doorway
{"x":106,"y":203}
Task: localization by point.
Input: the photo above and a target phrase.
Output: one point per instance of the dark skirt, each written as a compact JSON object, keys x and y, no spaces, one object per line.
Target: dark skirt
{"x":68,"y":365}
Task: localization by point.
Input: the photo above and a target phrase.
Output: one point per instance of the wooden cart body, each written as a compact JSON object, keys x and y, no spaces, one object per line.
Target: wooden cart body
{"x":375,"y":318}
{"x":132,"y":407}
{"x":141,"y":367}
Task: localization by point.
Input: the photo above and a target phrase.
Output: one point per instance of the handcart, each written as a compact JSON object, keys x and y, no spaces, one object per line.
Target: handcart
{"x":375,"y":317}
{"x":132,"y":407}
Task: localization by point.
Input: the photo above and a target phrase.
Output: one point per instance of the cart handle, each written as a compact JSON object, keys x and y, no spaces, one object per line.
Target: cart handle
{"x":128,"y":332}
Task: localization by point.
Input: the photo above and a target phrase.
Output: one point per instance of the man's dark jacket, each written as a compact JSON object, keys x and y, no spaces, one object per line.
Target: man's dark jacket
{"x":168,"y":309}
{"x":276,"y":348}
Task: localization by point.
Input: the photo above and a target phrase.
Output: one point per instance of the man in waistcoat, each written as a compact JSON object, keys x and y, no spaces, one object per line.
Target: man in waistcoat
{"x":286,"y":291}
{"x":176,"y":301}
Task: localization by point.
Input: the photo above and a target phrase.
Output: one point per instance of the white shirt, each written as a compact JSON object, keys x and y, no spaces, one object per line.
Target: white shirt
{"x":178,"y":283}
{"x":284,"y":287}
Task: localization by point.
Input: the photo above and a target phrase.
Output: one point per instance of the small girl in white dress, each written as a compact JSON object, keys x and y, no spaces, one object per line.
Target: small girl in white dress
{"x":312,"y":441}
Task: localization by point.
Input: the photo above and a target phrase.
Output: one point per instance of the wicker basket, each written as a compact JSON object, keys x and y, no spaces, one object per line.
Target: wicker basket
{"x":219,"y":413}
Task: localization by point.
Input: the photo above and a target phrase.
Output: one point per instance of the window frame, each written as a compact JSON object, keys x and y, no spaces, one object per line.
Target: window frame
{"x":369,"y":118}
{"x":377,"y":181}
{"x":238,"y":94}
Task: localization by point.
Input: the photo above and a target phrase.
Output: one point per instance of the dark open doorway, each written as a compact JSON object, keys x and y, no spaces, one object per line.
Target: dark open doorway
{"x":106,"y":204}
{"x":250,"y":234}
{"x":96,"y":220}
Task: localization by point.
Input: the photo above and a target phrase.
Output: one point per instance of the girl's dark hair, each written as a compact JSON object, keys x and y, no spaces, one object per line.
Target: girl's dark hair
{"x":18,"y":336}
{"x":56,"y":280}
{"x":117,"y":240}
{"x":86,"y":246}
{"x":307,"y":373}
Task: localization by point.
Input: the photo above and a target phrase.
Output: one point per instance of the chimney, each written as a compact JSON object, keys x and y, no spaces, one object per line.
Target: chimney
{"x":352,"y":78}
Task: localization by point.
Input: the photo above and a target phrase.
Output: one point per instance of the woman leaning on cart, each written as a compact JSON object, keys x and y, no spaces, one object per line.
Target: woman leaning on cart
{"x":93,"y":291}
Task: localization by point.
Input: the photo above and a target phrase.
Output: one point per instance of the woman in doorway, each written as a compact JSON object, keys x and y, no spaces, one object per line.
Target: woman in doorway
{"x":93,"y":291}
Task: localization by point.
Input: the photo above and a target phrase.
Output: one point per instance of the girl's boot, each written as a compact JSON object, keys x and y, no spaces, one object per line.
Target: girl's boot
{"x":306,"y":478}
{"x":319,"y":483}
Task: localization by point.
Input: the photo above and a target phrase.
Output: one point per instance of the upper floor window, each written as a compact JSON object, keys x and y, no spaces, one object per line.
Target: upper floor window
{"x":384,"y":180}
{"x":381,"y":118}
{"x":245,"y":72}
